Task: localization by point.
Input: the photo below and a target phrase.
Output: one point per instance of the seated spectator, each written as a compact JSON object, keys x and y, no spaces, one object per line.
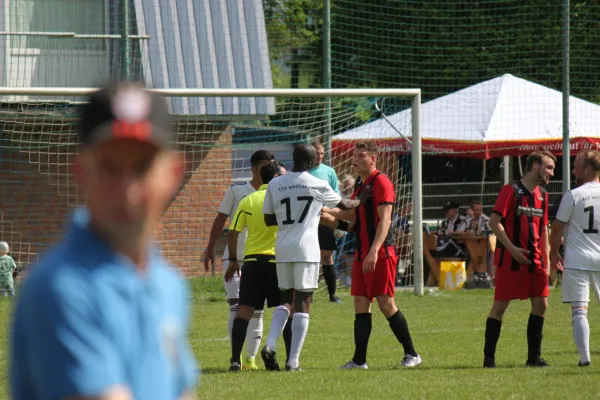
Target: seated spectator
{"x":454,"y":224}
{"x":478,"y":222}
{"x":345,"y":244}
{"x":7,"y":268}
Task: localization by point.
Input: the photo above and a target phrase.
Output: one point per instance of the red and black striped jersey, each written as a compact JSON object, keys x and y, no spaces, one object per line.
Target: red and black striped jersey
{"x":524,"y":217}
{"x":380,"y":191}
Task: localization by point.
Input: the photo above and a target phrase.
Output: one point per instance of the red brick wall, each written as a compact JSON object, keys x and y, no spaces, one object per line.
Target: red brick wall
{"x":37,"y":191}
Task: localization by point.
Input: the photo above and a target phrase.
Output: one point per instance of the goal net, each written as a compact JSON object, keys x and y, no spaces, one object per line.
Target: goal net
{"x":216,"y":133}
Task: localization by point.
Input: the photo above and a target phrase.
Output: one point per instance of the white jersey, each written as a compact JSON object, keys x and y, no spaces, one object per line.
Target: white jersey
{"x":296,"y":199}
{"x":235,"y":193}
{"x":580,"y":210}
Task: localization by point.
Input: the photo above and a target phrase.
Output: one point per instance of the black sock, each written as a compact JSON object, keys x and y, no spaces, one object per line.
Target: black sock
{"x":362,"y":331}
{"x":534,"y":337}
{"x":400,"y":328}
{"x":287,"y":337}
{"x":492,"y":334}
{"x":238,"y":336}
{"x":329,"y":276}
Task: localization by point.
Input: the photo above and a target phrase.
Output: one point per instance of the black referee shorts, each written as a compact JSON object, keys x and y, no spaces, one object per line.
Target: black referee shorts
{"x":259,"y":282}
{"x":326,"y":238}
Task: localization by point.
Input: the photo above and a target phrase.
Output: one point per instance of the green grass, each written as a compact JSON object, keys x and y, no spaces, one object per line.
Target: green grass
{"x":447,"y":329}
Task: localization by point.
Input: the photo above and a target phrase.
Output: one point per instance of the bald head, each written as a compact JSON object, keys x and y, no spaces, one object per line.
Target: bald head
{"x":304,"y":157}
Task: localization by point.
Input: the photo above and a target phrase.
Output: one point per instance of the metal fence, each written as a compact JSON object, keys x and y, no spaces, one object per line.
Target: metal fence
{"x":435,"y":196}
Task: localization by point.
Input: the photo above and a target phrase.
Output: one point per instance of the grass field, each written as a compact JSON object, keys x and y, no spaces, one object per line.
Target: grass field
{"x":447,"y":329}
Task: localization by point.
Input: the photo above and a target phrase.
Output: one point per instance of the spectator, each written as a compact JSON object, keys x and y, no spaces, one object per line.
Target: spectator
{"x":8,"y":268}
{"x":453,"y":224}
{"x":478,"y":222}
{"x":345,"y":248}
{"x":347,"y":183}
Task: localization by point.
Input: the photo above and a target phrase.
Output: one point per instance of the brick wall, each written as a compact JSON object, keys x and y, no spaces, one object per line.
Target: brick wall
{"x":37,"y":192}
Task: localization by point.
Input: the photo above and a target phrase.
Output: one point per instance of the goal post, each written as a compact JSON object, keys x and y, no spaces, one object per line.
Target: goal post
{"x":217,"y":130}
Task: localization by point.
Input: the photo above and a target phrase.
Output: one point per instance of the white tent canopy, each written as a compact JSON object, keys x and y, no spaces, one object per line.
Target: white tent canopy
{"x":503,"y":116}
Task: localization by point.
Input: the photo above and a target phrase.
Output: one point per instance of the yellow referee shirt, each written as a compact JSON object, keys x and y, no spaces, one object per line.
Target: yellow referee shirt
{"x":261,"y":238}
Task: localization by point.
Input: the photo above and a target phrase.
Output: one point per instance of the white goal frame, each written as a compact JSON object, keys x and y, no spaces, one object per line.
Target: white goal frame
{"x":413,"y":94}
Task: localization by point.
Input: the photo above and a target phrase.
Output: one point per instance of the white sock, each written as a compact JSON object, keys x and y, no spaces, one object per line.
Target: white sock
{"x":299,"y":329}
{"x":280,"y":317}
{"x":254,"y":334}
{"x":232,"y":314}
{"x":581,"y":333}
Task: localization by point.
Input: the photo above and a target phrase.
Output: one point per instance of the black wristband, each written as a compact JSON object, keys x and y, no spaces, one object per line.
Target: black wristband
{"x":343,"y":225}
{"x":232,"y":259}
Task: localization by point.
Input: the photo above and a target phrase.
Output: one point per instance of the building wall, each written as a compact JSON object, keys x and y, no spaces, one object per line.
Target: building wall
{"x":38,"y":193}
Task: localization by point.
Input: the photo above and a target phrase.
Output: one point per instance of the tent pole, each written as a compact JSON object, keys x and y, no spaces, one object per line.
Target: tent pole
{"x":506,"y":171}
{"x":566,"y":92}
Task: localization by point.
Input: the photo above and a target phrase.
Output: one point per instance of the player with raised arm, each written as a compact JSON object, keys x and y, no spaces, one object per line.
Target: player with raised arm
{"x":294,"y":202}
{"x":579,"y":213}
{"x":375,"y":260}
{"x":520,"y":222}
{"x":327,"y":240}
{"x":233,"y":196}
{"x":258,"y":283}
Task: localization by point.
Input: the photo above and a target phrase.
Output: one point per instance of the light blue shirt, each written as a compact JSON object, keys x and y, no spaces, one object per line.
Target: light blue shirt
{"x":86,"y":320}
{"x":327,"y":174}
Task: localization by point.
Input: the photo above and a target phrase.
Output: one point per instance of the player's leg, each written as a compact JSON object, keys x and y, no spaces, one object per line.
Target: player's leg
{"x":274,"y":300}
{"x":285,"y":279}
{"x":381,"y":285}
{"x":328,"y":245}
{"x":232,"y":294}
{"x":306,"y":281}
{"x":538,"y":293}
{"x":504,"y":292}
{"x":575,"y":290}
{"x":251,"y":299}
{"x":363,"y":321}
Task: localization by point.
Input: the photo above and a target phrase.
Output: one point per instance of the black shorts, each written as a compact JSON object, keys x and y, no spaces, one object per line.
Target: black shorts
{"x":259,"y":282}
{"x":326,"y":238}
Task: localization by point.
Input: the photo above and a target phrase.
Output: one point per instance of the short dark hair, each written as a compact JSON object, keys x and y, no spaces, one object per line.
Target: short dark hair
{"x":537,"y":157}
{"x":369,"y":147}
{"x":476,"y":203}
{"x":269,"y":170}
{"x":304,"y":156}
{"x":259,"y":156}
{"x":279,"y":164}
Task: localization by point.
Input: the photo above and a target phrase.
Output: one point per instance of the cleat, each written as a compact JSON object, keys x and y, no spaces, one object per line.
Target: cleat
{"x":489,"y":362}
{"x":352,"y":365}
{"x":250,"y":364}
{"x":537,"y":363}
{"x":335,"y":299}
{"x":270,"y":359}
{"x":288,"y":368}
{"x":235,"y":367}
{"x":410,"y":361}
{"x":585,"y":364}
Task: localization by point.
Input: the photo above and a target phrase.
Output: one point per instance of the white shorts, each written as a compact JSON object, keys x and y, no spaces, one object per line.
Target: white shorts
{"x":576,"y":285}
{"x":303,"y":276}
{"x":232,"y":288}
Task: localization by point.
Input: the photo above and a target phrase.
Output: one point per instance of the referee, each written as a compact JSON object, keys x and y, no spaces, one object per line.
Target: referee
{"x":259,"y":280}
{"x":103,"y":316}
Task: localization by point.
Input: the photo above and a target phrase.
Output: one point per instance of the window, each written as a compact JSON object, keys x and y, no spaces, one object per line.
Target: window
{"x":78,"y":16}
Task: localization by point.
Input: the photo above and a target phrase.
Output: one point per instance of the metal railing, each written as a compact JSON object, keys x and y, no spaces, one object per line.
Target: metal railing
{"x":436,"y":195}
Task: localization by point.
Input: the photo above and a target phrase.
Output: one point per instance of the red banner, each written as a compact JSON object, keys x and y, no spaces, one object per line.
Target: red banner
{"x":485,"y":150}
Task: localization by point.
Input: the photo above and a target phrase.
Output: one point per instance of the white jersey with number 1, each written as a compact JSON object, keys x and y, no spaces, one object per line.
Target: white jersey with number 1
{"x":580,"y":210}
{"x":296,"y":199}
{"x":229,"y":205}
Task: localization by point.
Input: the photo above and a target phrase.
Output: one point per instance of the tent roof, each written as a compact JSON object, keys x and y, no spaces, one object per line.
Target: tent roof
{"x":507,"y":113}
